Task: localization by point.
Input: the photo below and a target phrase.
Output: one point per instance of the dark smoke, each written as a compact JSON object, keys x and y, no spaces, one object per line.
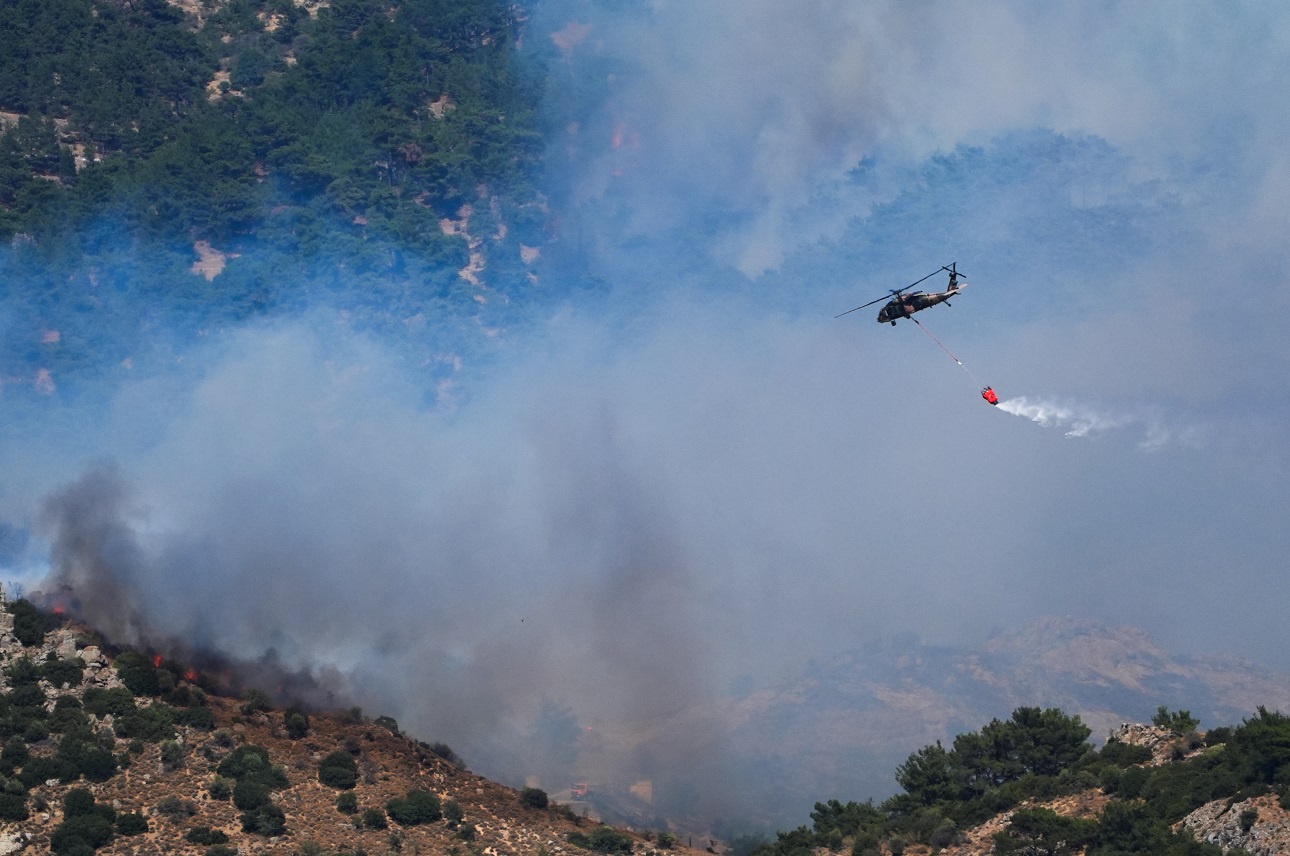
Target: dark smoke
{"x":93,"y":552}
{"x":653,"y":501}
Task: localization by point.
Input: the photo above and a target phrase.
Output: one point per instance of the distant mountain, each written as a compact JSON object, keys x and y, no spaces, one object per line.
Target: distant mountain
{"x":840,"y":730}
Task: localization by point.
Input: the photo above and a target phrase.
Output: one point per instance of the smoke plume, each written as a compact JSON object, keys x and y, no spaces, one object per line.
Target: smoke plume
{"x":704,"y":480}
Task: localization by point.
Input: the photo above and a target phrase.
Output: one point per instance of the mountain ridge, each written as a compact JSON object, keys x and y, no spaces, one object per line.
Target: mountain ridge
{"x":843,"y":726}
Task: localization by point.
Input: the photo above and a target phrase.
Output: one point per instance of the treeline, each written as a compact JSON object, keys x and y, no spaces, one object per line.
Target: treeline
{"x":1044,"y":754}
{"x":318,"y":153}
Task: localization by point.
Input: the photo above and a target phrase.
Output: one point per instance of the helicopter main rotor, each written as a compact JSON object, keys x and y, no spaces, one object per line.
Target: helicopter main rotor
{"x":896,"y":293}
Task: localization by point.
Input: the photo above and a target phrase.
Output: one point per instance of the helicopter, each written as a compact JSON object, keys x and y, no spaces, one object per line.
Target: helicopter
{"x":902,"y":305}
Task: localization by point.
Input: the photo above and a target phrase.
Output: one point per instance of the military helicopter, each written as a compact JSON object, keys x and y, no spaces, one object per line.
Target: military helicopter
{"x":902,"y":305}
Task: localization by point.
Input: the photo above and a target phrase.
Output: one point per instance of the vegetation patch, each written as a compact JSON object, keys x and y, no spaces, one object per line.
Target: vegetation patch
{"x":338,"y":770}
{"x":602,"y":839}
{"x":416,"y":808}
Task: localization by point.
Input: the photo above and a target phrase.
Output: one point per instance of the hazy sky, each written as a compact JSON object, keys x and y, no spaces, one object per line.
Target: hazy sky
{"x":709,"y":476}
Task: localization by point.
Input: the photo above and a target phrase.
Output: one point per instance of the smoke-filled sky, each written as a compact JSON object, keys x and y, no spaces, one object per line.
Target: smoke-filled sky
{"x":707,"y":475}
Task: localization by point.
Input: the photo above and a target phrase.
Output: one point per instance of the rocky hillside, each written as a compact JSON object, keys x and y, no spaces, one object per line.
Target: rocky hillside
{"x":264,"y":157}
{"x":842,"y":727}
{"x":1033,"y":786}
{"x":127,"y":754}
{"x":1258,"y":825}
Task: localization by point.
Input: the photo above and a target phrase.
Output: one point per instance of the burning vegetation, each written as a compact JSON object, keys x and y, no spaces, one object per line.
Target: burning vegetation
{"x":121,"y":750}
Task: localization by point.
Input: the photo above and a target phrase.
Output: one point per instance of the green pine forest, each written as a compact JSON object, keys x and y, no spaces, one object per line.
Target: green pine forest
{"x":318,"y":147}
{"x":1040,"y":755}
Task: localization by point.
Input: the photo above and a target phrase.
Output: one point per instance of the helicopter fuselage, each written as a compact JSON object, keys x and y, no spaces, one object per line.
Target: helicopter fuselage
{"x":906,"y":305}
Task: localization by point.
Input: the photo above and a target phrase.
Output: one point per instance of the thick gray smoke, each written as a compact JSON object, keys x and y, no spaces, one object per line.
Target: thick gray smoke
{"x":615,"y":530}
{"x":625,"y":519}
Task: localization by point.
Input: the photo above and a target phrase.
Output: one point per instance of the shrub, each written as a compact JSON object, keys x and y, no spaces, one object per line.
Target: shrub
{"x":244,"y":761}
{"x":444,"y":751}
{"x":865,"y":844}
{"x":267,"y":820}
{"x":172,"y":754}
{"x":196,"y":717}
{"x":184,"y":695}
{"x":35,"y":731}
{"x":534,"y":798}
{"x":165,"y":684}
{"x":374,"y":818}
{"x":1042,"y":830}
{"x":138,"y":673}
{"x":75,"y":834}
{"x":97,"y":764}
{"x":347,"y":803}
{"x":1181,"y":721}
{"x":13,"y":807}
{"x":206,"y":835}
{"x":338,"y":770}
{"x":22,"y":672}
{"x":254,"y":701}
{"x":249,"y":794}
{"x":40,"y":769}
{"x":1215,"y":736}
{"x":666,"y":841}
{"x":295,"y":722}
{"x":59,"y":672}
{"x":175,"y":810}
{"x":388,"y":723}
{"x":117,"y":701}
{"x":29,"y":623}
{"x":220,"y":788}
{"x":15,"y":752}
{"x":452,"y":813}
{"x":602,"y":839}
{"x":1124,"y":754}
{"x":28,"y":696}
{"x":67,"y":716}
{"x":131,"y":823}
{"x":220,"y":850}
{"x":152,"y":724}
{"x":416,"y":808}
{"x":85,"y":824}
{"x":1132,"y":782}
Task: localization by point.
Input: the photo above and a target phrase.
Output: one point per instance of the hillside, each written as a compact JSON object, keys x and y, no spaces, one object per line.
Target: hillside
{"x":170,"y":757}
{"x":123,"y":751}
{"x":844,"y":725}
{"x":169,"y":170}
{"x":1033,"y":785}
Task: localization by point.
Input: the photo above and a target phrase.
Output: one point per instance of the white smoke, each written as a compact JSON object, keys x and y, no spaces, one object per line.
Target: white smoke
{"x":1083,"y":420}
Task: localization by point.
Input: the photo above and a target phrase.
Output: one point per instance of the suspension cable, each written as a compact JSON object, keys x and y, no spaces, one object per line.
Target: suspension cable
{"x":947,"y":351}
